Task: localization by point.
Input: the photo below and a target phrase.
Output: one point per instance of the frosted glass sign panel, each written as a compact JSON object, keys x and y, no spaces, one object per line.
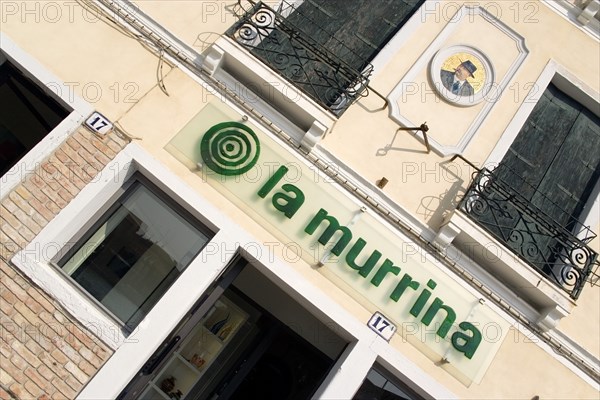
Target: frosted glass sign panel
{"x":376,"y":264}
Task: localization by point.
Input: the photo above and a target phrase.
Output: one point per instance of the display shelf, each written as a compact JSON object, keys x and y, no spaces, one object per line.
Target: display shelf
{"x":225,"y":319}
{"x":202,"y":345}
{"x":152,"y":392}
{"x":179,"y":369}
{"x":198,"y":351}
{"x":191,"y":366}
{"x":218,"y":318}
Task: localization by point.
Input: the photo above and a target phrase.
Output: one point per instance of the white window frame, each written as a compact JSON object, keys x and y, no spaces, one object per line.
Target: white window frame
{"x":83,"y":244}
{"x":64,"y":230}
{"x":56,"y":89}
{"x":132,"y":352}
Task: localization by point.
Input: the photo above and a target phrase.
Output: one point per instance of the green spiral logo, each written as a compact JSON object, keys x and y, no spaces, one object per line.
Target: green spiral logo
{"x":230,"y":148}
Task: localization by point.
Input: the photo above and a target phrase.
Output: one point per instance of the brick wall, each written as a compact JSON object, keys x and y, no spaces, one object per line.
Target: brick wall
{"x":44,"y":352}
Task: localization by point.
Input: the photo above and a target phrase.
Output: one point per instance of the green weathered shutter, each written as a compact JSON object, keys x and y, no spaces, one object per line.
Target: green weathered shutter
{"x":352,"y":31}
{"x":554,"y":161}
{"x":363,"y":26}
{"x":554,"y":164}
{"x":571,"y":176}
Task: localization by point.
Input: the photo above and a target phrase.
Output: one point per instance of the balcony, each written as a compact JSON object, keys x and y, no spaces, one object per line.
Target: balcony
{"x":324,"y":73}
{"x":537,"y":231}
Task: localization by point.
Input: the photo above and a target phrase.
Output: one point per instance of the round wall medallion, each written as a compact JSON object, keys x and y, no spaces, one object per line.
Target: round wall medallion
{"x":462,"y":75}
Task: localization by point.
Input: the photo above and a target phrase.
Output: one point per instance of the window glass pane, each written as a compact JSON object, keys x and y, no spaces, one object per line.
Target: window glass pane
{"x":135,"y":254}
{"x":378,"y":386}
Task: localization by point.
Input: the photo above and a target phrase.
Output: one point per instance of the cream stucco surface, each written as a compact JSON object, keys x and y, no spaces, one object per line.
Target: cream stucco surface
{"x":196,"y":23}
{"x":429,"y":186}
{"x":94,"y":54}
{"x":98,"y":63}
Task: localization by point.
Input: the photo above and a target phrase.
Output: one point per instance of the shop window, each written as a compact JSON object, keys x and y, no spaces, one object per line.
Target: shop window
{"x":27,"y":114}
{"x":134,"y":252}
{"x":378,"y":385}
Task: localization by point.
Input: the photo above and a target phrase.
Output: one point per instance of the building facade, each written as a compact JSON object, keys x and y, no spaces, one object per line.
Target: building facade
{"x":300,"y":199}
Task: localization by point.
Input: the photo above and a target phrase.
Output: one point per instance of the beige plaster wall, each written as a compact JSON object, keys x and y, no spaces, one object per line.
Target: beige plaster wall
{"x":424,"y":184}
{"x":522,"y":370}
{"x":582,"y":324}
{"x":196,"y":23}
{"x":429,"y":186}
{"x":98,"y":62}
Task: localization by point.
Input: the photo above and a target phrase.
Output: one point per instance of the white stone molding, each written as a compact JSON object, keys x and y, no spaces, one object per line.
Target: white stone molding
{"x":446,"y":235}
{"x":313,"y":135}
{"x":213,"y":59}
{"x":572,"y":13}
{"x":550,"y":317}
{"x":464,"y":15}
{"x":589,"y":12}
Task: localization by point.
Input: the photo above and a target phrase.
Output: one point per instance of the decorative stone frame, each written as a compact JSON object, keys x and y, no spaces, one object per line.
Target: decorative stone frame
{"x":463,"y":15}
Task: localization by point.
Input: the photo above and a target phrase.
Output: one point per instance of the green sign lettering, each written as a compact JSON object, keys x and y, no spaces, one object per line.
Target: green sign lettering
{"x":231,"y":148}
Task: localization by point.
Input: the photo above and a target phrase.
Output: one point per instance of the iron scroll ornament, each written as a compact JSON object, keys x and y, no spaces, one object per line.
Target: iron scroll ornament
{"x":318,"y":71}
{"x":230,"y":148}
{"x":553,"y":250}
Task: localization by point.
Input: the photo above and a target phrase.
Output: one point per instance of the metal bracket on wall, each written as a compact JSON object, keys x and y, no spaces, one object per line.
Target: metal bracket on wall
{"x":423,"y":128}
{"x":454,"y":157}
{"x":385,"y":100}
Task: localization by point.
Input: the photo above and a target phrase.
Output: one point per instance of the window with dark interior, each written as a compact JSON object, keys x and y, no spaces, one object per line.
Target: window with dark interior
{"x":27,"y":114}
{"x":135,"y":251}
{"x":555,"y":160}
{"x":353,"y":30}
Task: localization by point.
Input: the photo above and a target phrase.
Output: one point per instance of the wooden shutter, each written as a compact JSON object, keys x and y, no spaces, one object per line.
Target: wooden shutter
{"x":354,"y":31}
{"x":554,"y":163}
{"x":555,"y":160}
{"x":363,"y":26}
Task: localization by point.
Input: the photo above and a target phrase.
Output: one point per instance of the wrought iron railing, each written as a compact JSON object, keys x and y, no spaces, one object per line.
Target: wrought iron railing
{"x":558,"y":251}
{"x":321,"y":73}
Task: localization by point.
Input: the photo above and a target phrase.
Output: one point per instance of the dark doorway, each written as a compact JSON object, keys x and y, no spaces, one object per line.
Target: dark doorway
{"x":246,"y":339}
{"x":281,"y":366}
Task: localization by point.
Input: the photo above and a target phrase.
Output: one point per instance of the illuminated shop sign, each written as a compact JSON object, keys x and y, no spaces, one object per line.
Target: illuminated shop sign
{"x":375,"y":264}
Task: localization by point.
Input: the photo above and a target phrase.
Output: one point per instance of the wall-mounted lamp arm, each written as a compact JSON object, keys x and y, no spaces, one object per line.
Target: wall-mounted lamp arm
{"x":454,"y":157}
{"x":423,"y":128}
{"x":369,"y":88}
